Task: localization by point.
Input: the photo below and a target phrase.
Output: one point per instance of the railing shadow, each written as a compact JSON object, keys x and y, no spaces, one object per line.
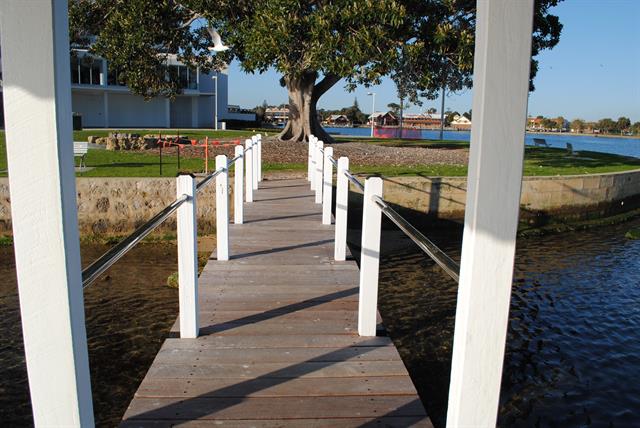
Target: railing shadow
{"x":285,"y":217}
{"x":280,"y":249}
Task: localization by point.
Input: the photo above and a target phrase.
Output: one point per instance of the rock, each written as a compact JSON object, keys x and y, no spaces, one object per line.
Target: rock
{"x":112,"y":144}
{"x":102,"y":205}
{"x":92,"y":139}
{"x":124,"y":143}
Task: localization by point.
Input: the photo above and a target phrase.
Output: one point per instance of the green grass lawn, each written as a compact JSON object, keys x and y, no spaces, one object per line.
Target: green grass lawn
{"x":189,"y":133}
{"x":539,"y":161}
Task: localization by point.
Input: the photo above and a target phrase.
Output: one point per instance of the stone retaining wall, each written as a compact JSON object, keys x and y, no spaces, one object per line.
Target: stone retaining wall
{"x":118,"y":205}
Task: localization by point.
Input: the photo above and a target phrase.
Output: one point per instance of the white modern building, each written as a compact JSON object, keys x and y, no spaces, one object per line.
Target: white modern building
{"x":104,"y":103}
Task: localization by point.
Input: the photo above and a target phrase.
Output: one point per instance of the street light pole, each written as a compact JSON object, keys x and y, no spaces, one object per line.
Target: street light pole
{"x":373,"y":110}
{"x":215,"y":119}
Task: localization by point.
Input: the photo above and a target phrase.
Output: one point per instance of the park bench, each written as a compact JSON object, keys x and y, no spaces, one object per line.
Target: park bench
{"x":540,"y":142}
{"x":80,"y":149}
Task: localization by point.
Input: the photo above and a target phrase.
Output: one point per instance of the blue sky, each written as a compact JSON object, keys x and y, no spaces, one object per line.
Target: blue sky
{"x":594,"y":71}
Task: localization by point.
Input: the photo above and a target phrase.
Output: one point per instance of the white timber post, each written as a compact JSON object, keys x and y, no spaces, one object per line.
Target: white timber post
{"x":501,"y":84}
{"x":187,"y":258}
{"x":310,"y":161}
{"x":327,"y":183}
{"x":342,"y":206}
{"x":37,"y":108}
{"x":318,"y":172}
{"x":259,"y":157}
{"x":369,"y":258}
{"x":254,"y":157}
{"x":222,"y":208}
{"x":238,"y":194}
{"x":248,"y":162}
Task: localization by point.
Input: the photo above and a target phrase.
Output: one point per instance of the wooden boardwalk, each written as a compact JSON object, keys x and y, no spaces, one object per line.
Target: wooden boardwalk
{"x":278,"y":343}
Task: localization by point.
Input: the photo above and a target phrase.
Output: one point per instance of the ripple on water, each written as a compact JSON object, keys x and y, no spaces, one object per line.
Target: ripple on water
{"x":129,"y":311}
{"x":573,"y":345}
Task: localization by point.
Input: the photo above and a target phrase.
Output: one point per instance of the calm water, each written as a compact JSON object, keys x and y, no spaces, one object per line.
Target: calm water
{"x":573,"y":350}
{"x":128,"y":316}
{"x":573,"y":347}
{"x":619,"y":146}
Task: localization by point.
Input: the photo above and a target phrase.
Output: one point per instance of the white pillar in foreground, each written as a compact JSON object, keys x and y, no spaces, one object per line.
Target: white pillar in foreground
{"x":238,"y":209}
{"x":327,"y":184}
{"x":248,"y":162}
{"x":501,"y":82}
{"x":187,"y":258}
{"x":222,"y":209}
{"x":310,"y":160}
{"x":342,"y":206}
{"x":318,"y":171}
{"x":254,"y":157}
{"x":37,"y":107}
{"x":369,"y":258}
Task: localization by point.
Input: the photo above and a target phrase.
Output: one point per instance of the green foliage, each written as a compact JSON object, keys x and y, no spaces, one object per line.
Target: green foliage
{"x":633,"y":234}
{"x":172,"y":280}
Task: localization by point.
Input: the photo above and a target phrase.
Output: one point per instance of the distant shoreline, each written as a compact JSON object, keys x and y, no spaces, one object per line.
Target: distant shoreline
{"x":574,"y":134}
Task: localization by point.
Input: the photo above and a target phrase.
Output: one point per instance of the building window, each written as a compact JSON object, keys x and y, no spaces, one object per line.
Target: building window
{"x":187,"y":77}
{"x":85,"y":70}
{"x":114,"y":78}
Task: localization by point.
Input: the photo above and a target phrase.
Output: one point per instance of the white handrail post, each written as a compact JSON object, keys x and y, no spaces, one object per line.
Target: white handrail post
{"x":248,"y":162}
{"x":310,"y":161}
{"x":327,"y":183}
{"x":259,"y":157}
{"x":222,"y":208}
{"x":37,"y":103}
{"x":254,"y":157}
{"x":342,"y":204}
{"x":238,"y":209}
{"x":318,"y":172}
{"x":187,"y":257}
{"x":501,"y":82}
{"x":369,"y":258}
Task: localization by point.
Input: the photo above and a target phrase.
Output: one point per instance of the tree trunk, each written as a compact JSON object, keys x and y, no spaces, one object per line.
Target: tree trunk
{"x":304,"y":94}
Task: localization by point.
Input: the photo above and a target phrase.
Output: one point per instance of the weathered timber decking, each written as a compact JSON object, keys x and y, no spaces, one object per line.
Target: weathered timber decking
{"x":278,"y":342}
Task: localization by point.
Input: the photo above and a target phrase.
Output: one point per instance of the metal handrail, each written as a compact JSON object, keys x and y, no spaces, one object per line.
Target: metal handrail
{"x":108,"y":259}
{"x":95,"y":269}
{"x":437,"y":255}
{"x":354,"y":180}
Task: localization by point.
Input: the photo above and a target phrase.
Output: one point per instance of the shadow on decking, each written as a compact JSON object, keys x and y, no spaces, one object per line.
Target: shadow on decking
{"x":194,"y":408}
{"x":279,"y":249}
{"x":284,"y":198}
{"x":284,"y":217}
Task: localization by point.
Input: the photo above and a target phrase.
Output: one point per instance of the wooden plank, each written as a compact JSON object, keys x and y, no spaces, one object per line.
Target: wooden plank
{"x":273,"y":408}
{"x":385,"y":421}
{"x":278,"y":343}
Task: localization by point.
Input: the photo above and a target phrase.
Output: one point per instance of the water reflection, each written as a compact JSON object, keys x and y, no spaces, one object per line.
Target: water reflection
{"x":573,"y":347}
{"x":129,"y":312}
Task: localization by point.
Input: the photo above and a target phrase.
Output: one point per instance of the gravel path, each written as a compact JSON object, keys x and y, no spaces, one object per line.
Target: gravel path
{"x":363,"y":154}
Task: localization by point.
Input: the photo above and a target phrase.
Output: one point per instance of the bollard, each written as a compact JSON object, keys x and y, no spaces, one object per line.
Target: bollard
{"x":238,"y":209}
{"x":342,"y":207}
{"x":327,"y":184}
{"x":310,"y":161}
{"x":187,"y":258}
{"x":222,"y":208}
{"x":248,"y":162}
{"x":369,"y":258}
{"x":254,"y":158}
{"x":318,"y":171}
{"x":259,"y":158}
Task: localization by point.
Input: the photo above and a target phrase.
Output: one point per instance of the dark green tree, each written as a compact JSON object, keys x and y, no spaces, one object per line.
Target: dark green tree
{"x":623,"y":124}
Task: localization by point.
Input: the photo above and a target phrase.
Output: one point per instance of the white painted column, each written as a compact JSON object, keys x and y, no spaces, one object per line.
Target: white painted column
{"x":327,"y":183}
{"x":105,"y":107}
{"x":187,"y":258}
{"x":501,"y":82}
{"x":255,"y":156}
{"x":37,"y":107}
{"x":311,"y":168}
{"x":369,"y":258}
{"x":318,"y":171}
{"x":222,"y":208}
{"x":342,"y":206}
{"x":309,"y":160}
{"x":248,"y":162}
{"x":238,"y":209}
{"x":259,"y":157}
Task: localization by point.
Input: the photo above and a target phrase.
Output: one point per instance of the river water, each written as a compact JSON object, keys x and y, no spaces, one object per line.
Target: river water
{"x":573,"y":347}
{"x":619,"y":146}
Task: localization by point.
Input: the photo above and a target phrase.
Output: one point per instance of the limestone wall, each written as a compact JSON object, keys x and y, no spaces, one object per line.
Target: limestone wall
{"x":118,"y":205}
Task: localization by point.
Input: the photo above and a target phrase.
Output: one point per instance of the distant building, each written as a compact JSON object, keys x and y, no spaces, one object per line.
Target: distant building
{"x":460,"y":123}
{"x":235,"y":112}
{"x":98,"y":95}
{"x":276,"y":115}
{"x":422,"y":120}
{"x":383,"y":119}
{"x":338,"y":120}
